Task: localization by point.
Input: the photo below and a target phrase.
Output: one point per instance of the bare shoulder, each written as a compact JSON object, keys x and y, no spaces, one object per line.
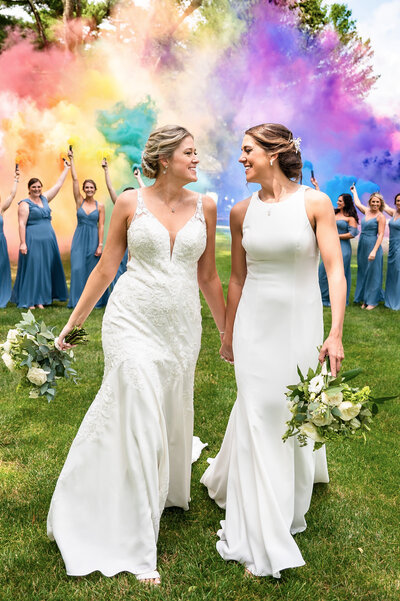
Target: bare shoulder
{"x":209,"y":205}
{"x":238,"y":211}
{"x":126,"y":201}
{"x":316,"y":199}
{"x":381,"y":217}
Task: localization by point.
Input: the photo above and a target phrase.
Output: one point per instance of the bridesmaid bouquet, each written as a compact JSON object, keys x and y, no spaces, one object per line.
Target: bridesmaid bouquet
{"x":326,"y":408}
{"x":31,"y":348}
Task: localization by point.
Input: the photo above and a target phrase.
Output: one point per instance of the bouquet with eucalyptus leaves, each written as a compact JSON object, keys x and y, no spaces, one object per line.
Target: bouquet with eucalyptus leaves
{"x":325,"y":407}
{"x":31,"y":349}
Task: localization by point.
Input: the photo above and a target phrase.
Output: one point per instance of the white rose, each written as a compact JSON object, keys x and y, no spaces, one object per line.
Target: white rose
{"x":37,"y":376}
{"x":8,"y":360}
{"x":321,"y":417}
{"x":33,"y":394}
{"x":348,"y":410}
{"x":12,"y":335}
{"x":6,"y":346}
{"x":316,"y":384}
{"x":310,"y":430}
{"x":332,"y":398}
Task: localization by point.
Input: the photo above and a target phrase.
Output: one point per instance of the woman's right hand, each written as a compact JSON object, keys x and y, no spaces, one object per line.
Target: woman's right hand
{"x":104,"y":164}
{"x":61,"y":345}
{"x":226,"y":352}
{"x":23,"y":249}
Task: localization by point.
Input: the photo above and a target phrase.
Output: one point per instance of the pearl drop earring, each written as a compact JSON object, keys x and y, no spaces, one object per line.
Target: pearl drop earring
{"x":165,"y":169}
{"x":271,"y":162}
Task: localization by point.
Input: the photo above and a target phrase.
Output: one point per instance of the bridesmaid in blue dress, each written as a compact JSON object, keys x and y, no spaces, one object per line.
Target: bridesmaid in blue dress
{"x":87,"y":243}
{"x":392,"y":290}
{"x":5,"y":273}
{"x":346,"y":223}
{"x":40,"y":275}
{"x":369,"y":253}
{"x":113,"y":196}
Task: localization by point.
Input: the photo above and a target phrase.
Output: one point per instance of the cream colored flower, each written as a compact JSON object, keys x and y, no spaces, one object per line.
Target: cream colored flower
{"x":321,"y":417}
{"x":316,"y":384}
{"x":348,"y":410}
{"x":6,"y":346}
{"x":8,"y":360}
{"x":33,"y":394}
{"x":332,"y":398}
{"x":12,"y":335}
{"x":310,"y":431}
{"x":37,"y":376}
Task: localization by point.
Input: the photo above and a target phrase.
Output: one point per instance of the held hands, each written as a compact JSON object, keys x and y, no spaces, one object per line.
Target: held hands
{"x":315,"y":183}
{"x":99,"y":250}
{"x":226,"y":352}
{"x":371,"y":256}
{"x":23,"y":249}
{"x":332,"y":348}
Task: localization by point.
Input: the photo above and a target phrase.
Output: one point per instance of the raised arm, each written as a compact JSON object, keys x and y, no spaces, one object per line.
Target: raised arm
{"x":100,"y":228}
{"x":389,"y":210}
{"x":322,"y":216}
{"x":315,"y":183}
{"x":4,"y":206}
{"x":207,"y":274}
{"x":23,"y":214}
{"x":357,"y":200}
{"x":52,"y":192}
{"x":105,"y":270}
{"x":75,"y":182}
{"x":381,"y":231}
{"x":138,"y":175}
{"x":237,"y":278}
{"x":111,"y":191}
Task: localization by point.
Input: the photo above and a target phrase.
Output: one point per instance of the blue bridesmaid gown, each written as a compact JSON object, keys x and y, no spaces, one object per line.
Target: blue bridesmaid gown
{"x":5,"y":273}
{"x":83,"y":260}
{"x":343,"y":228}
{"x":40,"y":275}
{"x":392,"y":290}
{"x":369,"y":273}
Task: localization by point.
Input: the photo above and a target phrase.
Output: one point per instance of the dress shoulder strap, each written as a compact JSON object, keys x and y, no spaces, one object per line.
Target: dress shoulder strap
{"x":28,"y":200}
{"x":199,"y":214}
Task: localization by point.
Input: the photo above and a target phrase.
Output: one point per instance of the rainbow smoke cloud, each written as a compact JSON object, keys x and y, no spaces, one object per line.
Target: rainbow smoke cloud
{"x":241,"y":66}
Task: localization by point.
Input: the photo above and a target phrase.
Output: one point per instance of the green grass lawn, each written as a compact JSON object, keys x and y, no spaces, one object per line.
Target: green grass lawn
{"x":351,"y":545}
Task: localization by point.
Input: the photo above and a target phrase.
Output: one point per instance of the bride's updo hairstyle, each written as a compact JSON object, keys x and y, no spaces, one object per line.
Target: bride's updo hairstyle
{"x":278,"y":139}
{"x":162,"y":142}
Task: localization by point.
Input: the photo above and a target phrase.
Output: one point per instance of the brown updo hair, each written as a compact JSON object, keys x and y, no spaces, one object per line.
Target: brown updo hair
{"x":33,"y":180}
{"x":379,"y":197}
{"x":162,"y":142}
{"x":89,"y":181}
{"x":275,"y":138}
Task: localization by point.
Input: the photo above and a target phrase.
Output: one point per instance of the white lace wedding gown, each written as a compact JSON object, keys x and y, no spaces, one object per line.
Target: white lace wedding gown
{"x":265,"y":484}
{"x":132,"y":454}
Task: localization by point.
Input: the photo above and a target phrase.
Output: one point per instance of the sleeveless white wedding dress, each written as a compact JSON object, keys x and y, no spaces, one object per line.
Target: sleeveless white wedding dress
{"x":266,"y":484}
{"x":132,"y":454}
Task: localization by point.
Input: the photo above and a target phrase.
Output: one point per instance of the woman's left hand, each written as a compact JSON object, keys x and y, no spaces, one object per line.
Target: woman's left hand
{"x":98,"y":252}
{"x":372,"y":256}
{"x":333,"y":348}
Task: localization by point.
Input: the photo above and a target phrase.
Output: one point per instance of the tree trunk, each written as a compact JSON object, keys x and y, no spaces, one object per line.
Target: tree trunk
{"x":39,"y":23}
{"x":68,"y":10}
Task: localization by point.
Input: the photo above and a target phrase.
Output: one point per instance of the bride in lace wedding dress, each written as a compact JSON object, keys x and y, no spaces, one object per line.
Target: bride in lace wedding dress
{"x":132,"y":454}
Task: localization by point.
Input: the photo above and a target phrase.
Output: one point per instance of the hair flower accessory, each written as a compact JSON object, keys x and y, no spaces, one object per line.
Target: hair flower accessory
{"x":296,"y":143}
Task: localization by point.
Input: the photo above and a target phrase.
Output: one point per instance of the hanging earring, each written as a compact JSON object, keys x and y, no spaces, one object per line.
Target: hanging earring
{"x":271,"y":162}
{"x":165,"y":169}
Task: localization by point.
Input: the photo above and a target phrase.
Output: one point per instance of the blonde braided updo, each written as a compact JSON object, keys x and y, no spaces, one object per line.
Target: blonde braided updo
{"x":162,"y":142}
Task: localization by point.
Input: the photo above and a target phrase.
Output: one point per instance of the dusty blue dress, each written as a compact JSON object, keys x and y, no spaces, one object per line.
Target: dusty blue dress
{"x":343,"y":228}
{"x":392,"y":290}
{"x":83,"y":260}
{"x":5,"y":273}
{"x":40,"y":275}
{"x":369,"y":273}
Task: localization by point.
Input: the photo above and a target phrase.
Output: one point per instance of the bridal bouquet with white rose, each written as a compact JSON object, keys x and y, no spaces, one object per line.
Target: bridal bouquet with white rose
{"x":31,"y":348}
{"x":325,"y":407}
